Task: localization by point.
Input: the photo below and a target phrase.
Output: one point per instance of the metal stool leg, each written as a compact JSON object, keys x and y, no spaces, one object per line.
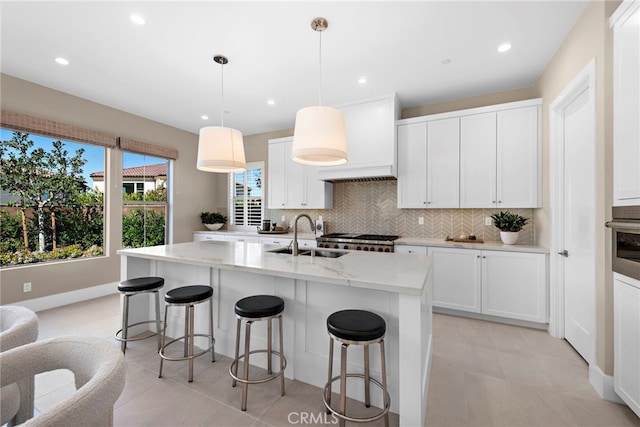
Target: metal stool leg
{"x":245,"y":385}
{"x":367,"y":386}
{"x":384,"y":382}
{"x":213,"y":340}
{"x":158,"y":332}
{"x":330,"y":374}
{"x":281,"y":355}
{"x":164,"y":336}
{"x":343,"y":383}
{"x":125,"y":323}
{"x":269,"y":346}
{"x":191,"y":338}
{"x":235,"y":367}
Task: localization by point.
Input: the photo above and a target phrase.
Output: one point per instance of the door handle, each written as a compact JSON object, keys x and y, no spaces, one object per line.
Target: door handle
{"x":564,"y":253}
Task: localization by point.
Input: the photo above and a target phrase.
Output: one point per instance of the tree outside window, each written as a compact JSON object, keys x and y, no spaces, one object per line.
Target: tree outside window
{"x":48,"y":210}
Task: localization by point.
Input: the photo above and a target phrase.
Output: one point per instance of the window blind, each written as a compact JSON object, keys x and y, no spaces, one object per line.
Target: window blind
{"x":146,"y":148}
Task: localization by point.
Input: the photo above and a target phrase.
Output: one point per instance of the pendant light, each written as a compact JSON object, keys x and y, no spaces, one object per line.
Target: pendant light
{"x":319,"y":136}
{"x":221,"y":149}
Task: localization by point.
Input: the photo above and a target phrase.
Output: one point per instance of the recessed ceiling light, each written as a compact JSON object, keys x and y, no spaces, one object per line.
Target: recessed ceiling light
{"x":504,"y":47}
{"x":446,"y":61}
{"x":204,"y":117}
{"x":271,"y":101}
{"x":62,"y":61}
{"x":362,"y":80}
{"x":137,"y":19}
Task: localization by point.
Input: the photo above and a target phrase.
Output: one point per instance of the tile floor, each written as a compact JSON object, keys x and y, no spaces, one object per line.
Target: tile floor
{"x":483,"y":374}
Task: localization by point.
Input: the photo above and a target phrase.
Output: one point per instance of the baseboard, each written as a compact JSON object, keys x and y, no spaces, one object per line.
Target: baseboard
{"x":603,"y":384}
{"x":65,"y":298}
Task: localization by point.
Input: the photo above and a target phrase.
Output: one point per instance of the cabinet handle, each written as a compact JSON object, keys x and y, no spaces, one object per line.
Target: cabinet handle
{"x":424,"y":203}
{"x":493,"y":201}
{"x":428,"y":203}
{"x":499,"y":201}
{"x":484,"y":257}
{"x":564,"y":253}
{"x":477,"y":256}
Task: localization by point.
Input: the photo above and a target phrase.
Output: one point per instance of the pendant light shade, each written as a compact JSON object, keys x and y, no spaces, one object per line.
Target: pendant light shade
{"x":319,"y":136}
{"x":221,"y":149}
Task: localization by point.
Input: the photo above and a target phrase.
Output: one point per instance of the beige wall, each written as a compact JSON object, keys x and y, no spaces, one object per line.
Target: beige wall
{"x":194,"y":191}
{"x":590,"y":38}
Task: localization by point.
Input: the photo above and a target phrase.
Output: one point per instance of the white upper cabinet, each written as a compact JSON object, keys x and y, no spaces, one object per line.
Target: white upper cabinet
{"x":292,"y":185}
{"x":517,"y":161}
{"x":478,"y":161}
{"x":412,"y":165}
{"x":626,"y":103}
{"x":487,"y":157}
{"x":371,"y":140}
{"x":428,"y":164}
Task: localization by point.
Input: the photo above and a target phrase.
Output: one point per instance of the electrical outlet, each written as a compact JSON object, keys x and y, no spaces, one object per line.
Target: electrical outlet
{"x":421,"y":220}
{"x":487,"y":220}
{"x":283,"y":219}
{"x":26,"y":287}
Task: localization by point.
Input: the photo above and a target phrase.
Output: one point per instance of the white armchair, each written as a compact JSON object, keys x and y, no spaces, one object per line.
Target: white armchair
{"x":18,"y":326}
{"x":98,"y":368}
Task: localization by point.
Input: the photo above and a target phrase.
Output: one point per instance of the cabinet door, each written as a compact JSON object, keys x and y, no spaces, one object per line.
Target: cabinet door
{"x":478,"y":161}
{"x":319,"y":194}
{"x":201,"y":237}
{"x":626,"y":341}
{"x":407,"y":249}
{"x":277,"y":175}
{"x":275,"y":241}
{"x":296,"y":181}
{"x":456,"y":278}
{"x":514,"y":285}
{"x":517,"y":158}
{"x":412,"y":165}
{"x":626,"y":107}
{"x":443,"y":163}
{"x":246,"y":239}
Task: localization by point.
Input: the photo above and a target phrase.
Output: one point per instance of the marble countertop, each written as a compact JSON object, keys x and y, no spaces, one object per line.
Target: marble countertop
{"x":398,"y":273}
{"x":487,"y":245}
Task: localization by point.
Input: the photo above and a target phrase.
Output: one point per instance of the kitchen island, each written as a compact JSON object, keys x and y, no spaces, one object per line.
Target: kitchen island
{"x":396,"y":286}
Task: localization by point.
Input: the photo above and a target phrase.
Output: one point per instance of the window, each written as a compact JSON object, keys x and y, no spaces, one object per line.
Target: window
{"x":50,"y":207}
{"x":245,"y":195}
{"x":144,"y":193}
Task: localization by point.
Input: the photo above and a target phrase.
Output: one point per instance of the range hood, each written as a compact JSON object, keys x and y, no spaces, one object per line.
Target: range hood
{"x":371,"y":141}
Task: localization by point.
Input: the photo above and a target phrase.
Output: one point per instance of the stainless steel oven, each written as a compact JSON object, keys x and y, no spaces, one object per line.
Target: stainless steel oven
{"x":626,"y":240}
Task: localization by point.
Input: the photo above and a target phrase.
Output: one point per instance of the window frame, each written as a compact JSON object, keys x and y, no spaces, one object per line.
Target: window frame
{"x":232,"y":196}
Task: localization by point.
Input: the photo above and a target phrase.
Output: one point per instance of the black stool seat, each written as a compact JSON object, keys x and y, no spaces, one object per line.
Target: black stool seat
{"x":140,"y":284}
{"x":258,"y":306}
{"x":356,"y":325}
{"x":188,"y":294}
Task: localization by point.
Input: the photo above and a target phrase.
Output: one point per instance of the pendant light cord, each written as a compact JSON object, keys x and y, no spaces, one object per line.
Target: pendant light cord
{"x":222,"y":95}
{"x":320,"y":71}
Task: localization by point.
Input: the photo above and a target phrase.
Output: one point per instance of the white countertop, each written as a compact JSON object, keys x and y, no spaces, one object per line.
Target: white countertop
{"x":398,"y":273}
{"x":487,"y":245}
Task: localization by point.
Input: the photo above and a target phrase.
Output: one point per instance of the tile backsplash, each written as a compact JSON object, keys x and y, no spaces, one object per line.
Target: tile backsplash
{"x":371,"y":207}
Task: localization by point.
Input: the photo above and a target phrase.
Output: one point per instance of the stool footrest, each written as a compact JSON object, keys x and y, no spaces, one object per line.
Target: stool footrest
{"x":257,"y":380}
{"x":376,"y":417}
{"x":173,"y":359}
{"x":153,"y":334}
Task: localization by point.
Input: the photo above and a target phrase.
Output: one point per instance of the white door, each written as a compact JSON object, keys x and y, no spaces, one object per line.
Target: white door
{"x":412,"y":165}
{"x":456,"y":278}
{"x":277,"y":180}
{"x":578,"y":224}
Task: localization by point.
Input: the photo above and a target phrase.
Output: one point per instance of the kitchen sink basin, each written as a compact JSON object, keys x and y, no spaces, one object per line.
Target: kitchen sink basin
{"x":322,"y":253}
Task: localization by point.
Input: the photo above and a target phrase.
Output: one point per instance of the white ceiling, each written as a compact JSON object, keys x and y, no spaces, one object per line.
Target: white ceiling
{"x":164,"y":70}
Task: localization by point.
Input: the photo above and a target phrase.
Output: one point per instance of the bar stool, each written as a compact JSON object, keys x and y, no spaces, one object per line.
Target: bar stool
{"x":253,"y":309}
{"x":187,"y":296}
{"x":129,"y":288}
{"x":356,"y":327}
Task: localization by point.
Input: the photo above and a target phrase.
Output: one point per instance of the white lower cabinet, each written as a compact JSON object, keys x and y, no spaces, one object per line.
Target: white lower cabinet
{"x":456,"y":279}
{"x":281,"y":241}
{"x":626,"y":339}
{"x":201,"y":237}
{"x":408,"y":249}
{"x":497,"y":283}
{"x":246,"y":239}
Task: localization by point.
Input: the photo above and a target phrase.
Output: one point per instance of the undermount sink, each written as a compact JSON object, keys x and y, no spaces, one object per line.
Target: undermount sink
{"x":322,"y":253}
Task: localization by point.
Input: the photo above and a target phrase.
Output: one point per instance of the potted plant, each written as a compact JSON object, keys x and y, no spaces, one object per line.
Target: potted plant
{"x":509,"y":225}
{"x":213,"y":220}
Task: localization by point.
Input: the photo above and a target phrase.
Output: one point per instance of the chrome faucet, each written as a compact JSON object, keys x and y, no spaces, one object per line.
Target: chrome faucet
{"x":295,"y":231}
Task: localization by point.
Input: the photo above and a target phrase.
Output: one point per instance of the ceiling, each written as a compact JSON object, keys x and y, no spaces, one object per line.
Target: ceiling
{"x":164,"y":70}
